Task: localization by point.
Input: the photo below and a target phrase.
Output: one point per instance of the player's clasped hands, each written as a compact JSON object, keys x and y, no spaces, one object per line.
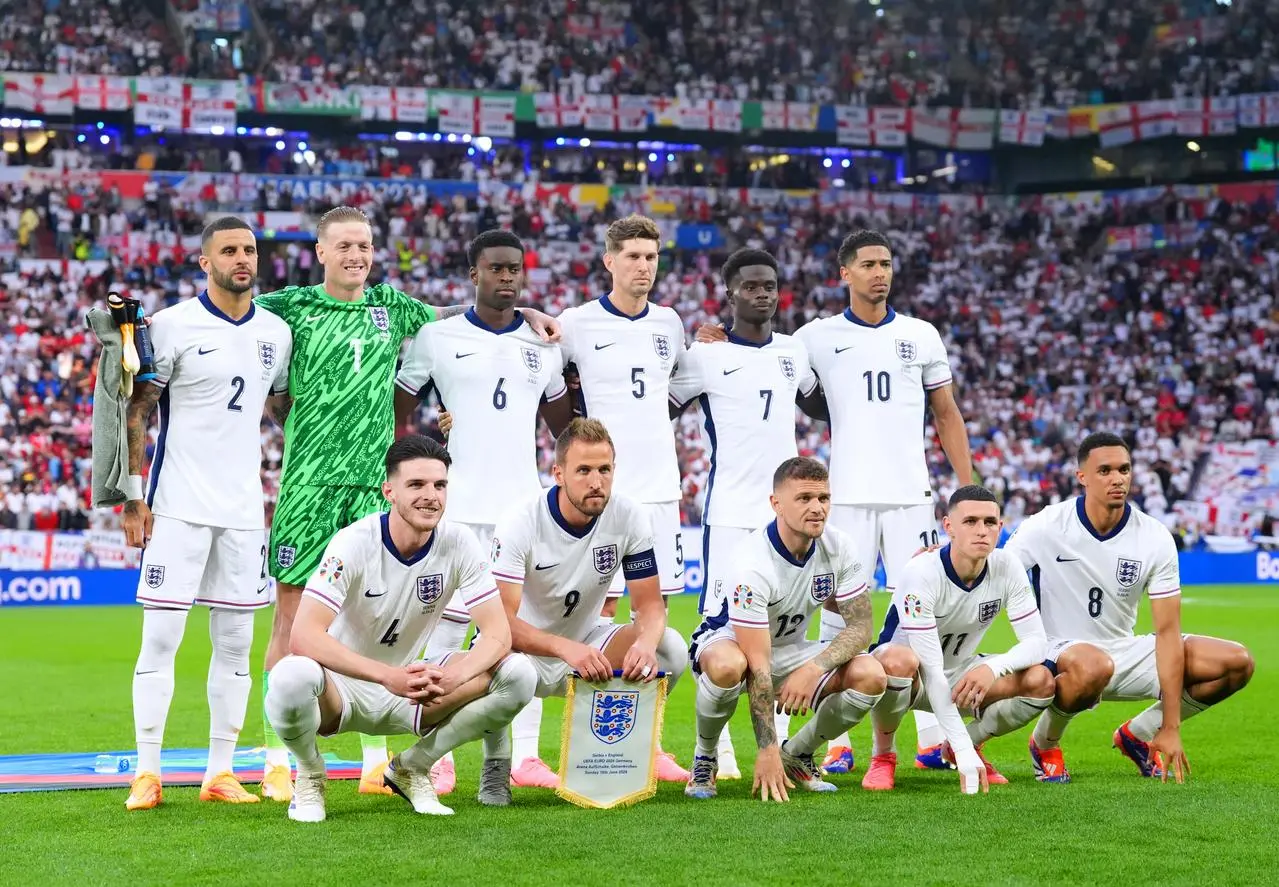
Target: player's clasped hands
{"x":640,"y":663}
{"x":417,"y":681}
{"x":770,"y":779}
{"x":590,"y":663}
{"x":972,"y":688}
{"x":797,"y":691}
{"x":1167,"y":750}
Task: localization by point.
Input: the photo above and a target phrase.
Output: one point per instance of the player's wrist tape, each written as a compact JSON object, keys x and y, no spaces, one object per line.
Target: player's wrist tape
{"x":133,"y":487}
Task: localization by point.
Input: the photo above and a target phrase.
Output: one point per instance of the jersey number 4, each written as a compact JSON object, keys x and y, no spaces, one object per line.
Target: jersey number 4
{"x":391,"y":635}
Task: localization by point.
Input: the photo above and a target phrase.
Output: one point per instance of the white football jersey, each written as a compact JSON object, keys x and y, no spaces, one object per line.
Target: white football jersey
{"x":747,"y":394}
{"x":876,"y":380}
{"x":932,"y":597}
{"x":388,"y":606}
{"x":217,"y":374}
{"x":492,"y":383}
{"x":768,"y":588}
{"x":1089,"y":585}
{"x":625,"y":364}
{"x":565,"y":571}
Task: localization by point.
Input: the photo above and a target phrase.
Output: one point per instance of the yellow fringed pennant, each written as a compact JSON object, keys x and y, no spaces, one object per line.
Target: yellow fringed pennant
{"x":609,"y":742}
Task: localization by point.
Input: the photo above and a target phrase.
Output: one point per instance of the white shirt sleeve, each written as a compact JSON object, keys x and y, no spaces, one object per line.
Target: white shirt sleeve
{"x":807,"y":376}
{"x":686,"y":381}
{"x":1032,"y":639}
{"x":639,"y":532}
{"x":748,"y":593}
{"x":1021,"y":544}
{"x":165,"y":341}
{"x":1165,"y":578}
{"x":914,"y":599}
{"x":417,"y":368}
{"x":556,"y":387}
{"x":568,"y":321}
{"x":339,"y":571}
{"x":475,"y":581}
{"x":511,"y":545}
{"x":280,"y":384}
{"x":850,"y":581}
{"x":937,"y":370}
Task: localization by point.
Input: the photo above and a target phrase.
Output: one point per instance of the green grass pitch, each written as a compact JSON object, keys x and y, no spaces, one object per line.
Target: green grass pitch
{"x":67,"y":688}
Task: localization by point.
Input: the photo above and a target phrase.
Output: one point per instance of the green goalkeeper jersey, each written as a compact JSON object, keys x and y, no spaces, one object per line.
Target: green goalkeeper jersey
{"x":342,"y":381}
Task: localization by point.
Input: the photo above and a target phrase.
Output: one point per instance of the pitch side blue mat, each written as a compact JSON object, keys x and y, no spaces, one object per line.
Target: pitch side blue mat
{"x":181,"y":766}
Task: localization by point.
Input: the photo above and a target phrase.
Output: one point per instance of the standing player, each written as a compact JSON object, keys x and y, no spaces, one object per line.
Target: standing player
{"x":347,"y":342}
{"x":217,"y":359}
{"x":746,"y":389}
{"x":555,"y":557}
{"x":625,"y":349}
{"x":944,"y":603}
{"x":780,"y":576}
{"x":1090,"y":559}
{"x":881,"y":370}
{"x":355,"y":662}
{"x":496,"y":375}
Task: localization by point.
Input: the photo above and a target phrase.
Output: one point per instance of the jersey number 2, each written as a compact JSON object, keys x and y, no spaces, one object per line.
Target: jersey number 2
{"x":234,"y":403}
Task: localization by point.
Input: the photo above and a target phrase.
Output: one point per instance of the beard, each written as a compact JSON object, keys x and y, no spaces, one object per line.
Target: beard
{"x":227,"y":282}
{"x":588,"y":507}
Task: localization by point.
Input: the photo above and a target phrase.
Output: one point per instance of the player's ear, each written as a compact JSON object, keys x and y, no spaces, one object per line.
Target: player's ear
{"x":386,"y":490}
{"x":474,"y":274}
{"x":608,"y":261}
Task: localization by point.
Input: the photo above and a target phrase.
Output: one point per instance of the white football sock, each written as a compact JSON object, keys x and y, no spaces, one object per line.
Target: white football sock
{"x":1005,"y":716}
{"x":162,"y":632}
{"x":781,"y":723}
{"x":725,"y":742}
{"x":714,"y":706}
{"x":525,"y":730}
{"x":293,"y":703}
{"x":928,"y":729}
{"x":1145,"y":725}
{"x":509,"y":691}
{"x":229,"y":684}
{"x":672,"y":658}
{"x":831,"y":625}
{"x":1050,"y":727}
{"x":838,"y":712}
{"x":887,"y":715}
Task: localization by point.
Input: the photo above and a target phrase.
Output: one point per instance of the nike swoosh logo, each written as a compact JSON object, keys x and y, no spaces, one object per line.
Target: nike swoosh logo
{"x":730,"y":372}
{"x":313,"y":318}
{"x":459,"y":355}
{"x":842,"y":350}
{"x":679,"y":575}
{"x":1064,"y":560}
{"x":241,"y":674}
{"x":369,"y":593}
{"x":206,"y":350}
{"x":153,"y":671}
{"x":546,"y":566}
{"x":602,"y":347}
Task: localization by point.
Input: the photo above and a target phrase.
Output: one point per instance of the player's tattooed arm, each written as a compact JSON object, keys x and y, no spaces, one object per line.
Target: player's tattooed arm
{"x":853,"y":639}
{"x":278,"y":406}
{"x":450,"y":311}
{"x":814,"y":404}
{"x":141,"y":405}
{"x":759,"y":686}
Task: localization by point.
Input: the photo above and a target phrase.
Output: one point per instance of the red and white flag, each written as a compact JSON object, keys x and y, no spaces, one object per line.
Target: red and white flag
{"x":394,"y":103}
{"x":1136,"y":121}
{"x":615,"y":113}
{"x":41,"y":93}
{"x":792,"y":116}
{"x":1259,"y":110}
{"x":190,"y":105}
{"x":496,"y":115}
{"x":709,"y":115}
{"x":885,"y":127}
{"x":1023,"y":127}
{"x":557,"y":111}
{"x":970,"y":129}
{"x":98,"y":93}
{"x":1207,"y":117}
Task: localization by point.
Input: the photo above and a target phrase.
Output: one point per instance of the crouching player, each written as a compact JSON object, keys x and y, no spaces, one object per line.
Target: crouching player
{"x":555,"y":557}
{"x":943,"y":605}
{"x":780,"y":576}
{"x":377,"y":595}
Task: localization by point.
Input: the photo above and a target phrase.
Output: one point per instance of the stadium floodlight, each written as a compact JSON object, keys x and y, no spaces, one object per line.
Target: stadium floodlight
{"x":216,"y":130}
{"x":1193,"y":146}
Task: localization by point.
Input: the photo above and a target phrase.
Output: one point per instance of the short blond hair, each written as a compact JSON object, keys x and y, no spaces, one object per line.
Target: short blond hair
{"x":633,"y":227}
{"x":589,"y":431}
{"x":340,"y":214}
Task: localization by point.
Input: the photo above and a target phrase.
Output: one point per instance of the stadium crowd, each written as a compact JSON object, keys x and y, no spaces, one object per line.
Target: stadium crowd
{"x":985,"y":54}
{"x":1049,"y":333}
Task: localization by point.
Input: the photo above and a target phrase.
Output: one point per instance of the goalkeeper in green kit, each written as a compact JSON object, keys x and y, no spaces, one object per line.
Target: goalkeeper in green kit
{"x":340,"y":421}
